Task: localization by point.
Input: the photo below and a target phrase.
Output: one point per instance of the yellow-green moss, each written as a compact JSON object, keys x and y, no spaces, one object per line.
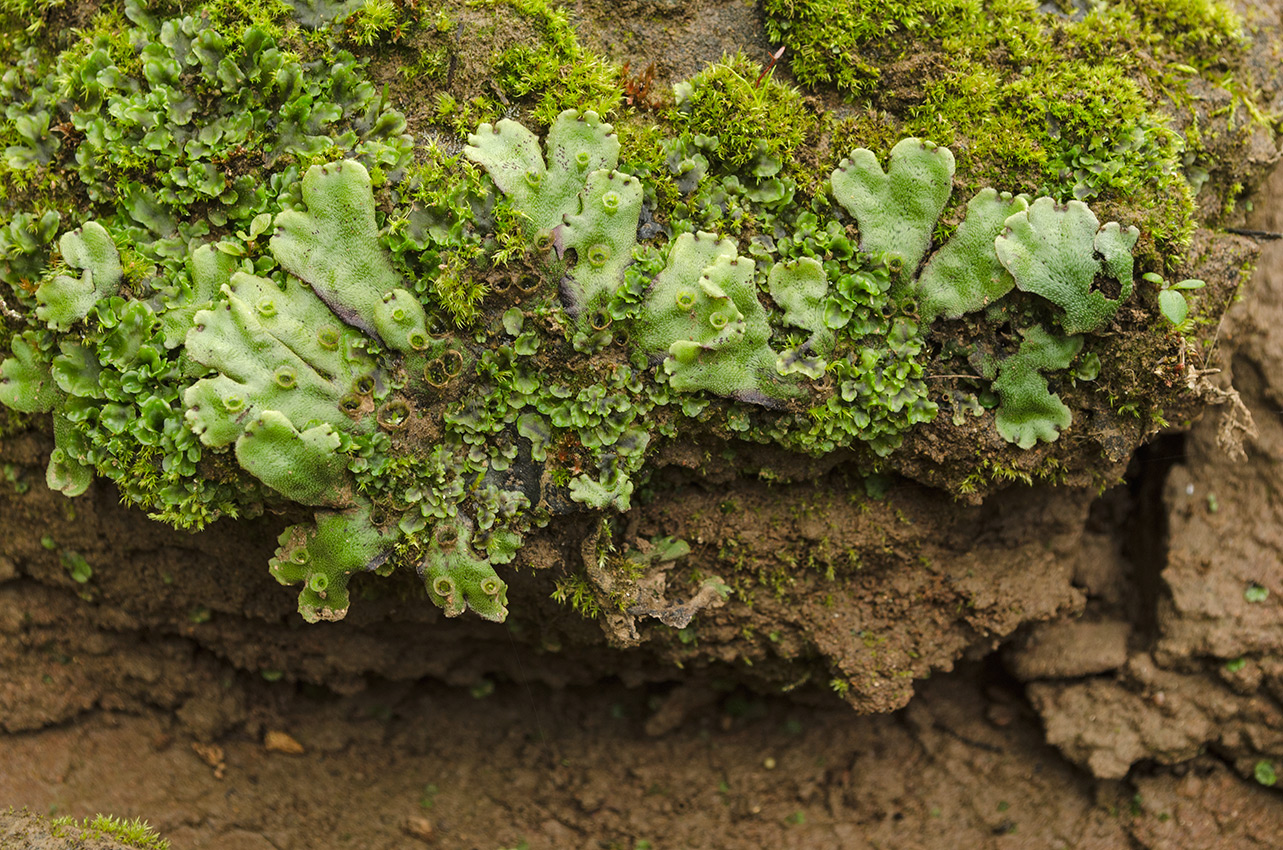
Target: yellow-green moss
{"x":1028,"y":100}
{"x":749,"y":112}
{"x":555,"y":73}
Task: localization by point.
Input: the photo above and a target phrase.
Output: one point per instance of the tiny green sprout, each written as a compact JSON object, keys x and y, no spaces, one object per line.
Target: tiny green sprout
{"x":257,"y":227}
{"x":1265,"y":774}
{"x":1235,"y":664}
{"x":1172,"y":302}
{"x":132,"y":833}
{"x":11,"y":475}
{"x":839,"y":686}
{"x":77,"y":566}
{"x":1256,"y":593}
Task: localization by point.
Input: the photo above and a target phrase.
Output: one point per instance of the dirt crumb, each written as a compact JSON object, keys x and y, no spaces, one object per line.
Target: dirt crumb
{"x":281,"y":742}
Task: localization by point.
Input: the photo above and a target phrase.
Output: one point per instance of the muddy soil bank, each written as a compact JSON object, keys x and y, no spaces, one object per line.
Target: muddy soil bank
{"x":1140,"y":718}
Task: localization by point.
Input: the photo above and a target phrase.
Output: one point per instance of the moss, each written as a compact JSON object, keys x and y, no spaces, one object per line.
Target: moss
{"x":1193,"y":27}
{"x":1031,"y":101}
{"x":431,"y":240}
{"x":135,"y":833}
{"x":377,"y":21}
{"x":753,"y":116}
{"x":273,"y":16}
{"x":722,"y":269}
{"x":554,"y":74}
{"x":167,"y":148}
{"x":578,"y":592}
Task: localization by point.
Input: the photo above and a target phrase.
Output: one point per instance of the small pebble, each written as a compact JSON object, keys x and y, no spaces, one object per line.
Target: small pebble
{"x":280,"y":742}
{"x":419,"y":827}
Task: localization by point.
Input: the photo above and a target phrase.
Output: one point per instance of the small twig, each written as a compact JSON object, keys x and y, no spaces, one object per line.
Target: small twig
{"x":1268,"y":235}
{"x":1216,"y":338}
{"x":769,"y":66}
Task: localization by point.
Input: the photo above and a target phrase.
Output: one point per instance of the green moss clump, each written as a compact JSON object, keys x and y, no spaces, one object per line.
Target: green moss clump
{"x":199,"y":139}
{"x":39,"y":829}
{"x":1035,"y":101}
{"x":1197,"y":28}
{"x":755,"y":118}
{"x":556,"y":74}
{"x":432,"y":237}
{"x":134,"y":833}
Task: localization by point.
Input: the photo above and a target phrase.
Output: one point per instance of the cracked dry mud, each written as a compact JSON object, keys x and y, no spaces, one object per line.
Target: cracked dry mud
{"x":1083,"y":671}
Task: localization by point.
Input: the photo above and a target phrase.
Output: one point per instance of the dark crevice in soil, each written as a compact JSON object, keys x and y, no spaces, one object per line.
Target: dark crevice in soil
{"x":1144,"y":531}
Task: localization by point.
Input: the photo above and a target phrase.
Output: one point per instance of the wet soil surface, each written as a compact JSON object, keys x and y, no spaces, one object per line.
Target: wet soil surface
{"x":579,"y":768}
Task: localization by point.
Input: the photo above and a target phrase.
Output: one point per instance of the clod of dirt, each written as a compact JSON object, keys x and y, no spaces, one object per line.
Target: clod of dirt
{"x":1067,"y":650}
{"x":1204,"y":806}
{"x":420,"y":828}
{"x":1213,"y":674}
{"x":26,"y":831}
